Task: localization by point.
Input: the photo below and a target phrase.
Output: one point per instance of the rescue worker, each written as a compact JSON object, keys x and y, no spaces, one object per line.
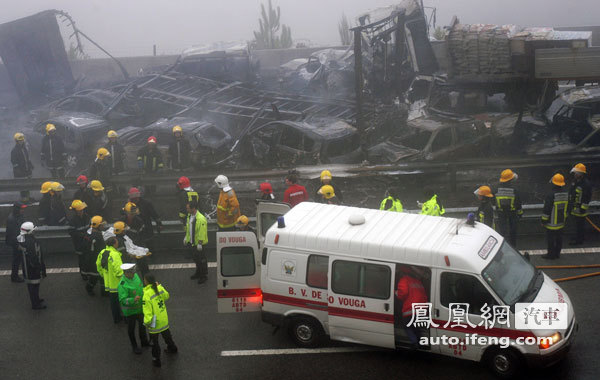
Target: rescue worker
{"x":44,"y":206}
{"x":79,"y":222}
{"x":147,"y":213}
{"x":117,"y":157}
{"x":508,"y":206}
{"x":185,"y":195}
{"x":119,"y":229}
{"x":58,"y":212}
{"x":101,"y":170}
{"x":228,"y":207}
{"x":266,"y":192}
{"x":34,"y":268}
{"x":99,"y":205}
{"x":295,"y":193}
{"x":196,"y":237}
{"x":135,"y":224}
{"x":13,"y":228}
{"x":109,"y":267}
{"x":328,"y":195}
{"x":580,"y":195}
{"x":95,"y":245}
{"x":391,"y":203}
{"x":243,"y":224}
{"x":179,"y":156}
{"x":554,"y":215}
{"x":150,"y":161}
{"x":485,"y":211}
{"x":410,"y":290}
{"x":22,"y":166}
{"x":327,"y":179}
{"x":131,"y":291}
{"x":83,"y":192}
{"x":53,"y":153}
{"x":156,"y":317}
{"x":433,"y":206}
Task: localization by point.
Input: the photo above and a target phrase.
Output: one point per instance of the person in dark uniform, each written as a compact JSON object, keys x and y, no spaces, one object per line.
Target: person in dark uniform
{"x":99,"y":205}
{"x":327,"y":179}
{"x":328,"y":195}
{"x":135,"y":225}
{"x":79,"y":222}
{"x":554,"y":216}
{"x":485,"y":211}
{"x":101,"y":170}
{"x":44,"y":206}
{"x":53,"y":153}
{"x":22,"y":166}
{"x":33,"y":264}
{"x":508,"y":206}
{"x":13,"y":229}
{"x":117,"y":157}
{"x":580,"y":195}
{"x":179,"y":151}
{"x":185,"y":195}
{"x":150,"y":161}
{"x":147,"y":213}
{"x":83,"y":192}
{"x":58,"y":212}
{"x":95,"y":245}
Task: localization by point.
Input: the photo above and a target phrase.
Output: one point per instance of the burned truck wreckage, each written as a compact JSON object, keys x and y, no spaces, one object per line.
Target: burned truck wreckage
{"x":395,"y":94}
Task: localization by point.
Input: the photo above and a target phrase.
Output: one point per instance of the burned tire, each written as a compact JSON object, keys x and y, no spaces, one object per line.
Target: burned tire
{"x":504,"y":363}
{"x":305,"y":332}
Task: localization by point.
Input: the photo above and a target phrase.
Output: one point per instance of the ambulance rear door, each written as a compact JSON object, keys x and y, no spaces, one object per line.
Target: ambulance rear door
{"x":361,"y":301}
{"x":266,"y":215}
{"x":238,"y":272}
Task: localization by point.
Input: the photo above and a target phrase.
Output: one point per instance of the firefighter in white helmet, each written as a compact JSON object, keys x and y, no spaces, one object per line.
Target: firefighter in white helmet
{"x":228,"y":207}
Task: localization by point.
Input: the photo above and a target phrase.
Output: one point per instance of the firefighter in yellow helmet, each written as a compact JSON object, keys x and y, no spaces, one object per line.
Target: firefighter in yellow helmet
{"x":580,"y":195}
{"x":485,"y":211}
{"x":508,"y":206}
{"x":99,"y":205}
{"x":327,"y":179}
{"x":101,"y":170}
{"x":179,"y":155}
{"x":22,"y":166}
{"x":554,"y":215}
{"x":118,"y":157}
{"x":57,"y":215}
{"x":44,"y":206}
{"x":328,"y":196}
{"x":243,"y":224}
{"x":150,"y":161}
{"x":91,"y":256}
{"x":53,"y":154}
{"x":79,"y":224}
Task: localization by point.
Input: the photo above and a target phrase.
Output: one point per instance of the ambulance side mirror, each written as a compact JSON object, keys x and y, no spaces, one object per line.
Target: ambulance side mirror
{"x":526,"y":255}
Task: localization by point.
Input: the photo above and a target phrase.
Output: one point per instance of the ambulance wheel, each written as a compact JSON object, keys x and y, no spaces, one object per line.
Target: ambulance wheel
{"x":305,"y":332}
{"x":505,"y":363}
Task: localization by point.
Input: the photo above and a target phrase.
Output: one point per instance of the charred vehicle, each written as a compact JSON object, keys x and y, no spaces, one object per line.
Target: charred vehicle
{"x":224,"y":66}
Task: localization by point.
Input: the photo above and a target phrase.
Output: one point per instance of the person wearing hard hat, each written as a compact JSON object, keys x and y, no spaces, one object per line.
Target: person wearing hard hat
{"x":554,"y":215}
{"x":266,"y":192}
{"x":101,"y":170}
{"x":22,"y":166}
{"x":79,"y":224}
{"x":57,"y":215}
{"x":117,"y":157}
{"x":433,"y":206}
{"x":135,"y":224}
{"x":13,"y":227}
{"x":150,"y":161}
{"x":34,"y":268}
{"x":110,"y":267}
{"x":243,"y":224}
{"x":179,"y":155}
{"x":196,"y":238}
{"x":328,"y":195}
{"x":53,"y":153}
{"x":508,"y":206}
{"x":295,"y":193}
{"x":99,"y":205}
{"x":391,"y":202}
{"x":44,"y":206}
{"x":83,"y":192}
{"x":228,"y":206}
{"x":327,"y":179}
{"x":485,"y":211}
{"x":91,"y":256}
{"x":580,"y":195}
{"x":131,"y":291}
{"x":185,"y":195}
{"x":147,"y":213}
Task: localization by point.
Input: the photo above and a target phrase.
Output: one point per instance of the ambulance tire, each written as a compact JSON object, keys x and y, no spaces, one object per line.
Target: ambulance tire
{"x":305,"y":332}
{"x":504,"y":362}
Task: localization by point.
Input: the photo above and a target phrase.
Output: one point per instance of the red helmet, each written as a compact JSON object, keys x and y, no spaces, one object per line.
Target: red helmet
{"x":266,"y":188}
{"x":82,"y":179}
{"x":183,"y":182}
{"x":134,"y":192}
{"x":152,"y":139}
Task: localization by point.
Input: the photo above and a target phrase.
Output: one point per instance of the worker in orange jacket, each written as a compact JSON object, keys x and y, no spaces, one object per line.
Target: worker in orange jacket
{"x":228,"y":207}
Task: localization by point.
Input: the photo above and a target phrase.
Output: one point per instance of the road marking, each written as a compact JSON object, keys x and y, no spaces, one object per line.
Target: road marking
{"x":567,"y":251}
{"x":154,"y":267}
{"x":298,"y":351}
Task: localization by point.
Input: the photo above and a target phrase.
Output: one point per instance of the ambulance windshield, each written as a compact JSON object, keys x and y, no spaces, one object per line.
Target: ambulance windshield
{"x":509,"y":275}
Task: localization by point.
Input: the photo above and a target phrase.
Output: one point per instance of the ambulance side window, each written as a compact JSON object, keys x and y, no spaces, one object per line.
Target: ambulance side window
{"x":267,"y":220}
{"x":463,"y":288}
{"x":360,"y":279}
{"x":316,"y":272}
{"x":237,"y":261}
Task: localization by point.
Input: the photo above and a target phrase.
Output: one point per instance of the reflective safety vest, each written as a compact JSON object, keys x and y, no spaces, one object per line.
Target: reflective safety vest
{"x":228,"y":209}
{"x":129,"y":289}
{"x":396,"y":204}
{"x":581,"y":194}
{"x":507,"y":200}
{"x":155,"y":309}
{"x":197,"y":232}
{"x":112,"y":273}
{"x":431,"y":207}
{"x":555,"y":210}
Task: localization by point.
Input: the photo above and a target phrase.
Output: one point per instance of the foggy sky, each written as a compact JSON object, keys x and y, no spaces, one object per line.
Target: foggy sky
{"x":131,"y":27}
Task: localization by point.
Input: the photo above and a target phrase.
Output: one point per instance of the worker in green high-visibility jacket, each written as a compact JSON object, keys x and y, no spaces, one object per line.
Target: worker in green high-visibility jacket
{"x":131,"y":291}
{"x":433,"y":206}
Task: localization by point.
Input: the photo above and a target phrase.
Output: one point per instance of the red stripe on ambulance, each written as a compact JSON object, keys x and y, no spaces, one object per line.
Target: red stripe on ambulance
{"x":228,"y":293}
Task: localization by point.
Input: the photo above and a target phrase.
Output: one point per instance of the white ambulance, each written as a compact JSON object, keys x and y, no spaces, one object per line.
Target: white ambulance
{"x":333,"y":270}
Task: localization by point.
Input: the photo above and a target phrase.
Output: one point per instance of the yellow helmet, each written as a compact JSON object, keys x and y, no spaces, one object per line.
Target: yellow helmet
{"x":111,"y":134}
{"x":579,"y":168}
{"x":131,"y":208}
{"x":97,"y":221}
{"x":242,"y":220}
{"x":102,"y":152}
{"x":325,"y":174}
{"x":119,"y":228}
{"x":78,"y":205}
{"x":558,"y":180}
{"x":56,"y":186}
{"x":50,"y":127}
{"x":96,"y":185}
{"x":19,"y":136}
{"x":177,"y":128}
{"x":484,"y":191}
{"x":46,"y":187}
{"x":507,"y":175}
{"x":327,"y":191}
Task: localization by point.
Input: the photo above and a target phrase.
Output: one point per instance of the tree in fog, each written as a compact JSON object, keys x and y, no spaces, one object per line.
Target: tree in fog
{"x":344,"y":30}
{"x":266,"y":37}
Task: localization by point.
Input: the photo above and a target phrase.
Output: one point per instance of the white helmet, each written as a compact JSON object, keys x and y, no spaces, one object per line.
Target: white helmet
{"x":222,"y":182}
{"x":27,"y":228}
